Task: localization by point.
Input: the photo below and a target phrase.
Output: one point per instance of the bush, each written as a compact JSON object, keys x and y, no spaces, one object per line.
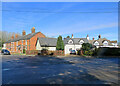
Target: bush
{"x":44,"y":52}
{"x":89,"y":53}
{"x":23,"y":51}
{"x":107,"y":52}
{"x":86,"y":46}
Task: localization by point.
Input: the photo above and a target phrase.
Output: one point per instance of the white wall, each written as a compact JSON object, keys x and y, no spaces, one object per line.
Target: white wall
{"x":110,"y":46}
{"x":38,"y":47}
{"x":73,"y":47}
{"x":114,"y":44}
{"x":4,"y":46}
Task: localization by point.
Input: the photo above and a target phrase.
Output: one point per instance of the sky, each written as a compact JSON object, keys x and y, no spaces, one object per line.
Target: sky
{"x":62,"y":18}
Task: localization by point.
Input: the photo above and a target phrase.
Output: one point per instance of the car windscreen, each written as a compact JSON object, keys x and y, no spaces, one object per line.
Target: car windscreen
{"x":6,"y":51}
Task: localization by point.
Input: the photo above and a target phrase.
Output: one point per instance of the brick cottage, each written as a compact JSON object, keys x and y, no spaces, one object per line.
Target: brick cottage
{"x":18,"y":44}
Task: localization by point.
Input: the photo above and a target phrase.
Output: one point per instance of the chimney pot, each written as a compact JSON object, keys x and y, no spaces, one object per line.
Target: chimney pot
{"x":93,"y":38}
{"x":12,"y":37}
{"x":87,"y":36}
{"x":33,"y":30}
{"x":16,"y":35}
{"x":72,"y":35}
{"x":99,"y":36}
{"x":23,"y":33}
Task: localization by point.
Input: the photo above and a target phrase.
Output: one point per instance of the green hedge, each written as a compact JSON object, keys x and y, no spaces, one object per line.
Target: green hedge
{"x":107,"y":52}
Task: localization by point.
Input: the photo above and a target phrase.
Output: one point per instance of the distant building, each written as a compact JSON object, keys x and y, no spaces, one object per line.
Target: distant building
{"x":103,"y":42}
{"x":27,"y":42}
{"x":76,"y":43}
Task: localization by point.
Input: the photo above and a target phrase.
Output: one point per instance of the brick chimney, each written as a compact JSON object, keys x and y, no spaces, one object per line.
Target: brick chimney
{"x":23,"y":33}
{"x":99,"y":36}
{"x":12,"y":37}
{"x":16,"y":35}
{"x":72,"y":36}
{"x":93,"y":38}
{"x":33,"y":30}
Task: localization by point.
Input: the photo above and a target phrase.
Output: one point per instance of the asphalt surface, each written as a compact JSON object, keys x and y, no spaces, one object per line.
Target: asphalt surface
{"x":54,"y":70}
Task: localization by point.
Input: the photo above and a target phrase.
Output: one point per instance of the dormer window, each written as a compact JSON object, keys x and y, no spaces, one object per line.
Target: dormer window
{"x":81,"y":42}
{"x":96,"y":43}
{"x":70,"y":42}
{"x":105,"y":43}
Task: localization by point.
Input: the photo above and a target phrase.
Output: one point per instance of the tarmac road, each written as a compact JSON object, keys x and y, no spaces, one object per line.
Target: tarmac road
{"x":53,"y":70}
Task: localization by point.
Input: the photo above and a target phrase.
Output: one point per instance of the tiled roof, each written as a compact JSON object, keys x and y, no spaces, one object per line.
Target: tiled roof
{"x":75,"y":40}
{"x":48,"y":42}
{"x":100,"y":41}
{"x":113,"y":41}
{"x":23,"y":37}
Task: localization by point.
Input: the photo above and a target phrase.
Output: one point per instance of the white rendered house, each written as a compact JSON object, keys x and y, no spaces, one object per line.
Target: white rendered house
{"x":73,"y":44}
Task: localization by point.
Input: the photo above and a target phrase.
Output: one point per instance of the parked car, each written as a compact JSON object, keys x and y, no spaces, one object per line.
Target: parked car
{"x":5,"y":52}
{"x":73,"y":52}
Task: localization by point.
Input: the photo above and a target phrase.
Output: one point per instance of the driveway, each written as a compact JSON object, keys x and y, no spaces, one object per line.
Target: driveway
{"x":53,"y":70}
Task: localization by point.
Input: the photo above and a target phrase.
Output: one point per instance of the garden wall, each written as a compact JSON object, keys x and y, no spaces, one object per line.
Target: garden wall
{"x":59,"y":53}
{"x":32,"y":52}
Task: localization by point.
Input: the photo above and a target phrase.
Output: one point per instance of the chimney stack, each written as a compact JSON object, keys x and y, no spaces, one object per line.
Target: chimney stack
{"x":99,"y":36}
{"x":87,"y":37}
{"x":23,"y":33}
{"x":12,"y":37}
{"x":33,"y":30}
{"x":72,"y":35}
{"x":16,"y":35}
{"x":93,"y":38}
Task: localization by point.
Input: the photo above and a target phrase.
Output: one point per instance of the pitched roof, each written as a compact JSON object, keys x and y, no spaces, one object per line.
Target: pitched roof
{"x":113,"y":41}
{"x":48,"y":42}
{"x":100,"y":41}
{"x":75,"y":40}
{"x":25,"y":37}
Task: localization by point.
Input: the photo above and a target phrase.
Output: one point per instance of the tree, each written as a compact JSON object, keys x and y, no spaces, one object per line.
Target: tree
{"x":68,"y":36}
{"x":60,"y":44}
{"x":86,"y":46}
{"x":5,"y":36}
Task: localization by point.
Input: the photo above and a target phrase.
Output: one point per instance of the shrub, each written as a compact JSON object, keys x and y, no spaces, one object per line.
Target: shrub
{"x":89,"y":53}
{"x":60,"y":44}
{"x":23,"y":51}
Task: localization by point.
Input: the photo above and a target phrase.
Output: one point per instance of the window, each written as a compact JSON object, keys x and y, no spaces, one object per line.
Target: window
{"x":26,"y":42}
{"x":105,"y":43}
{"x":70,"y":42}
{"x":81,"y":42}
{"x":96,"y":43}
{"x":22,"y":42}
{"x":17,"y":43}
{"x":70,"y":49}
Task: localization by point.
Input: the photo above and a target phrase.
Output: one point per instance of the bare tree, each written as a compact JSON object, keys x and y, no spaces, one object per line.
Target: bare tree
{"x":5,"y":36}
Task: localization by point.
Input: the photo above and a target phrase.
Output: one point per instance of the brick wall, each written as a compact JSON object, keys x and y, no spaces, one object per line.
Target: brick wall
{"x":31,"y":44}
{"x":33,"y":40}
{"x":31,"y":52}
{"x":59,"y":53}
